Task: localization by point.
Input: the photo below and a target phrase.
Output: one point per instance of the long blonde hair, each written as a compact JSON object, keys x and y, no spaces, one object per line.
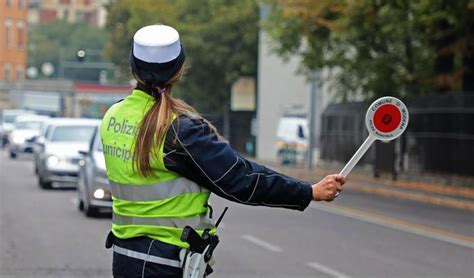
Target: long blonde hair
{"x":154,"y":126}
{"x":157,"y":121}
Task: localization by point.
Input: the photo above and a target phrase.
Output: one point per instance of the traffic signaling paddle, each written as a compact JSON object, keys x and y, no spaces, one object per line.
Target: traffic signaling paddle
{"x":386,"y":119}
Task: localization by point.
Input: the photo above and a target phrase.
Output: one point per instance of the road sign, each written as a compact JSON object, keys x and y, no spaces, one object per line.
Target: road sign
{"x":386,"y":119}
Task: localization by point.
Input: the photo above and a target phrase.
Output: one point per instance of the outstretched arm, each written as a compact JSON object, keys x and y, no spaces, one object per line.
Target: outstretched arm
{"x":195,"y":152}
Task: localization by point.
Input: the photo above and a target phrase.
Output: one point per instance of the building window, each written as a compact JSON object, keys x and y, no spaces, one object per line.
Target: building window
{"x":90,"y":17}
{"x":48,"y":15}
{"x":8,"y":33}
{"x":20,"y":25}
{"x":79,"y":16}
{"x":21,"y":4}
{"x":8,"y":3}
{"x":20,"y":73}
{"x":7,"y":72}
{"x":66,"y":14}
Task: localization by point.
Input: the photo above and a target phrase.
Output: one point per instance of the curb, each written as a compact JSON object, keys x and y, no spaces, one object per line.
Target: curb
{"x":429,"y":193}
{"x":415,"y":196}
{"x":456,"y":191}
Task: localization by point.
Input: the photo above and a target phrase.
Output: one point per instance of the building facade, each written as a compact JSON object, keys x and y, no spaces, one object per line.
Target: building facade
{"x":280,"y":89}
{"x":92,"y":12}
{"x":283,"y":90}
{"x":13,"y":39}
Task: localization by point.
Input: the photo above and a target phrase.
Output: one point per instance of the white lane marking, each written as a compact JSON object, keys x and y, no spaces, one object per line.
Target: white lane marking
{"x":327,"y":270}
{"x":262,"y":243}
{"x":388,"y":224}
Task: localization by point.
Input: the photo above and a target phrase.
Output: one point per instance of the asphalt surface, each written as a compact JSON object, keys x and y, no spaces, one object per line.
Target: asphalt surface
{"x":42,"y":234}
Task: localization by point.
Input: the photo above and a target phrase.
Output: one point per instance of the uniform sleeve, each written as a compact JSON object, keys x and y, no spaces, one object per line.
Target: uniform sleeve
{"x":193,"y":151}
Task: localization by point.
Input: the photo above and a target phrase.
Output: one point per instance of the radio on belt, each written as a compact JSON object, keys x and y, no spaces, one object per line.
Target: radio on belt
{"x":386,"y":119}
{"x":197,"y":260}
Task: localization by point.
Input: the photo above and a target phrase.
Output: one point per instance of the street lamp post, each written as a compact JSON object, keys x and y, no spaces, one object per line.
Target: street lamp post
{"x":60,"y":63}
{"x":315,"y":78}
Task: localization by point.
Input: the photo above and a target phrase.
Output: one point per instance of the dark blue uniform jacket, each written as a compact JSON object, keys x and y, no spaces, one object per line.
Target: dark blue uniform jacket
{"x":194,"y":151}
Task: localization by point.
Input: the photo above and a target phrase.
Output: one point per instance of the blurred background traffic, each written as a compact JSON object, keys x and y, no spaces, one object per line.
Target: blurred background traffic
{"x":287,"y":82}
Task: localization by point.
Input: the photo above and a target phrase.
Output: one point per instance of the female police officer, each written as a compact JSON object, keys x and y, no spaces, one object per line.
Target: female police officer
{"x":163,"y":161}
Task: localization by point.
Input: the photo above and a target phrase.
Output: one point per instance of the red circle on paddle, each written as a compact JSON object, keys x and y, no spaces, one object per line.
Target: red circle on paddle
{"x":387,"y":118}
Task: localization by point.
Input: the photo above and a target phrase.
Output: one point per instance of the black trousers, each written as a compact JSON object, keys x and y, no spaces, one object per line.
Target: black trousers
{"x":145,"y":257}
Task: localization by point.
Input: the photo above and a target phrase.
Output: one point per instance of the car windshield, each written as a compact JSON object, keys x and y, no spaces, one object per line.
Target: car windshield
{"x":28,"y":125}
{"x":72,"y":133}
{"x":9,"y":118}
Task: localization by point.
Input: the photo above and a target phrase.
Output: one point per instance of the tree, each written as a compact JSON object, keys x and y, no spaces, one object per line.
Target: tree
{"x":120,"y":37}
{"x":59,"y":40}
{"x":219,"y":36}
{"x":398,"y":47}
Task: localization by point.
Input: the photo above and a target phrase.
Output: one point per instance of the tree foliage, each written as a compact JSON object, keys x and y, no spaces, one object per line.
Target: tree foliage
{"x":59,"y":40}
{"x":376,"y":47}
{"x":219,"y":37}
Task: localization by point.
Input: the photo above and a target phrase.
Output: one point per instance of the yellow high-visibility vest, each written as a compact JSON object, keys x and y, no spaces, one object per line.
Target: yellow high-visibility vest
{"x":158,"y":207}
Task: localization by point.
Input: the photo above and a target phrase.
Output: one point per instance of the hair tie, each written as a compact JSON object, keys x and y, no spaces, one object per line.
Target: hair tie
{"x":161,"y":90}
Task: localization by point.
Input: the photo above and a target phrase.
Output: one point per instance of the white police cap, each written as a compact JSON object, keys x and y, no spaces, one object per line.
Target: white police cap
{"x":157,"y":53}
{"x":156,"y":44}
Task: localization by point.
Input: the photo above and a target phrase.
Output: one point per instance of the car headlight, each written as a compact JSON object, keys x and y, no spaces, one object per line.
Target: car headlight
{"x":18,"y":139}
{"x":53,"y":160}
{"x":99,"y":193}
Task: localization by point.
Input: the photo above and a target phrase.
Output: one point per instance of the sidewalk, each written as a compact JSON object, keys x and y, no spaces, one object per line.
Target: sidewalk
{"x":425,"y":192}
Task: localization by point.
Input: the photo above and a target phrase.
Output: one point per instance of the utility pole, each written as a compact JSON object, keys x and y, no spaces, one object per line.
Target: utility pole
{"x":60,"y":63}
{"x":311,"y":118}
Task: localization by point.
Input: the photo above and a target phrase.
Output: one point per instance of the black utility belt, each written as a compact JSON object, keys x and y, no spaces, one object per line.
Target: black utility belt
{"x":194,"y":261}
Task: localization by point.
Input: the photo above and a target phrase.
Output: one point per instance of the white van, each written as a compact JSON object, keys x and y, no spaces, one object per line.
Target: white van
{"x":292,"y":139}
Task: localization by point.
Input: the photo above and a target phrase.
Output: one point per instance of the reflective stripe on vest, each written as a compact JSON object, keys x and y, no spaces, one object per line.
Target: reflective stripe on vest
{"x":198,"y":222}
{"x":169,"y":206}
{"x":146,"y":257}
{"x":181,"y":205}
{"x":153,"y":192}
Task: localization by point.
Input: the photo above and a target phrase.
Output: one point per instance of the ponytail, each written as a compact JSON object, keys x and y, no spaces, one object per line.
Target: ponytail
{"x":156,"y":123}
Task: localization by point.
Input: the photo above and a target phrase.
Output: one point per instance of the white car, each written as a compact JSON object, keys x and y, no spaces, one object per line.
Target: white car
{"x":7,"y":123}
{"x":58,"y":158}
{"x":292,"y":139}
{"x":26,"y":128}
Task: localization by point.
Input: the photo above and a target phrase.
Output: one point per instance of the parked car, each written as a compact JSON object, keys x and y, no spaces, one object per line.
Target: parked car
{"x":93,"y":185}
{"x":58,"y":157}
{"x":292,"y":139}
{"x":7,"y":123}
{"x":26,"y":127}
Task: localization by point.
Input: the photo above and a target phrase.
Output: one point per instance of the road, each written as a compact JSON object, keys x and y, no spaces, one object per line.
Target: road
{"x":42,"y":234}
